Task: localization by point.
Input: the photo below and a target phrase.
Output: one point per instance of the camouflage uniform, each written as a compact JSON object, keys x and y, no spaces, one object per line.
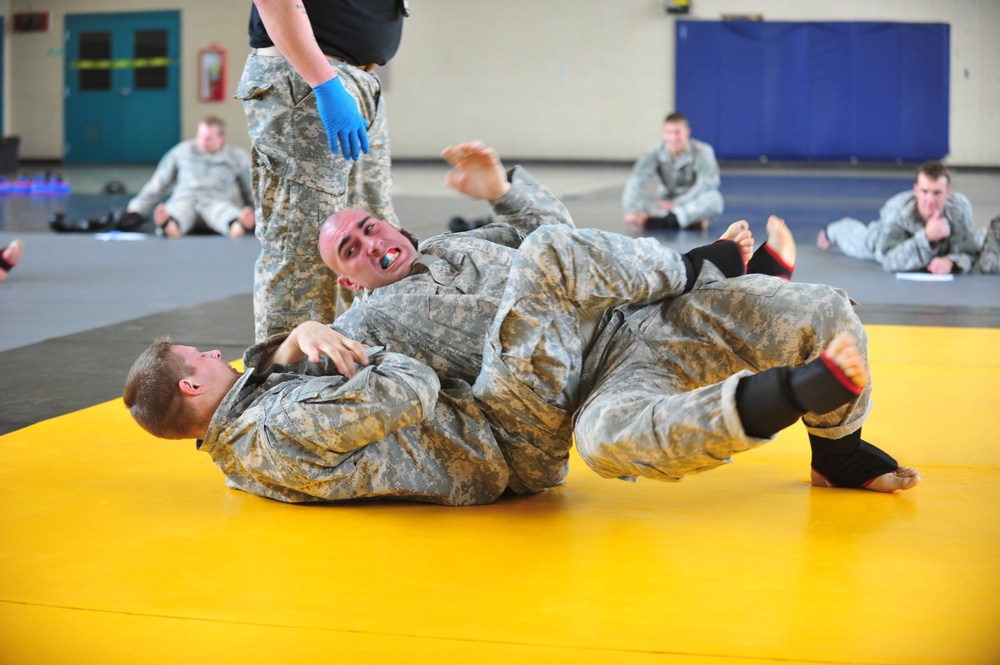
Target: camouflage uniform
{"x":897,"y":239}
{"x":299,"y":183}
{"x":989,"y":258}
{"x":659,"y":381}
{"x":306,"y":434}
{"x":530,"y":379}
{"x":440,"y":313}
{"x":691,"y":181}
{"x":202,"y":186}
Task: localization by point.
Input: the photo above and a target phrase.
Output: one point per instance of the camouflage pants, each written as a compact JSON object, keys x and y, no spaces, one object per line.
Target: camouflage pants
{"x":533,"y":357}
{"x":989,"y":258}
{"x":662,"y":382}
{"x":852,"y":237}
{"x":190,"y":211}
{"x":298,"y":183}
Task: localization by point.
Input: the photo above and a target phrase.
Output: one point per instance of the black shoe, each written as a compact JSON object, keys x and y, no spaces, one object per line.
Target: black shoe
{"x":123,"y":220}
{"x":59,"y":223}
{"x":458,"y":224}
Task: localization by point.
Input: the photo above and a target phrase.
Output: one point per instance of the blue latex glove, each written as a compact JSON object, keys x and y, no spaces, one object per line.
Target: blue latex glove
{"x":341,"y":118}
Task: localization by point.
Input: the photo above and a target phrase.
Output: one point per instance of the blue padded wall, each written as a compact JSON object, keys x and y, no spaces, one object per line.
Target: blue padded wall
{"x":833,"y":91}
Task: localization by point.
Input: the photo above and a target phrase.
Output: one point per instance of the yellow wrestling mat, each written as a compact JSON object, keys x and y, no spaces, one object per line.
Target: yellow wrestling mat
{"x":120,"y":548}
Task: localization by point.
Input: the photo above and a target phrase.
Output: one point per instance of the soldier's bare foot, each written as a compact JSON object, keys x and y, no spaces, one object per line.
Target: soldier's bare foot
{"x":902,"y":478}
{"x":780,"y":240}
{"x":636,"y":219}
{"x":9,"y":256}
{"x":739,"y":232}
{"x":843,"y":351}
{"x":165,"y":223}
{"x":242,"y":225}
{"x":822,"y":241}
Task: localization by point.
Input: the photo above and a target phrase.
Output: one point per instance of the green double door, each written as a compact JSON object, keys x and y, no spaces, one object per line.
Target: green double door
{"x":122,"y":86}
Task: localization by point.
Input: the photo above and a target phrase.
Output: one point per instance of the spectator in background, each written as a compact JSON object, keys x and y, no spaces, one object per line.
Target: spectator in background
{"x":687,"y":179}
{"x":926,"y":229}
{"x":202,"y":172}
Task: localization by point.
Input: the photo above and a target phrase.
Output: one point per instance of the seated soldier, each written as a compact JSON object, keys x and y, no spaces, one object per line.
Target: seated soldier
{"x":202,"y":173}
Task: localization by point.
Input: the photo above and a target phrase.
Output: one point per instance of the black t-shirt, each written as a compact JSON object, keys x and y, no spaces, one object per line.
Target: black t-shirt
{"x":358,"y":31}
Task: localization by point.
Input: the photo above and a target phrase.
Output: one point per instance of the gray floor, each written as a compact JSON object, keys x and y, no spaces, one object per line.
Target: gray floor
{"x":77,"y":310}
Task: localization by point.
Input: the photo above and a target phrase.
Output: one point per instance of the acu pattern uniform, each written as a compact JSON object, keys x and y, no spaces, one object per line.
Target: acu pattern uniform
{"x":304,"y":434}
{"x":298,"y":182}
{"x":897,"y":239}
{"x":202,"y":186}
{"x":659,"y":381}
{"x":691,"y":180}
{"x":442,"y":311}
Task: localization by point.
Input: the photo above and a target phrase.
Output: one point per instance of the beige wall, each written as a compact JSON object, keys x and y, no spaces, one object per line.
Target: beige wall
{"x":555,"y":79}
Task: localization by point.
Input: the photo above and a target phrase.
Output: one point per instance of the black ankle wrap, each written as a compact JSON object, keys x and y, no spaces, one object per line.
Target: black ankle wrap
{"x":725,"y":254}
{"x":764,"y":262}
{"x":849,"y":461}
{"x":770,"y":401}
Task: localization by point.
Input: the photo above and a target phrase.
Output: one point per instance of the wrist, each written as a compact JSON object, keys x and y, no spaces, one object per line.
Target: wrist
{"x":499,"y":192}
{"x":329,"y":84}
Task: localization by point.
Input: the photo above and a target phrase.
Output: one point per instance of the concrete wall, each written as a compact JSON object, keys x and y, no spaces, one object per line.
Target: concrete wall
{"x":557,"y":79}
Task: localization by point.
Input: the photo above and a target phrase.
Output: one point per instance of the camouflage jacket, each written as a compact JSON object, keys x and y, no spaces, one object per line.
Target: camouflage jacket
{"x":194,"y":175}
{"x":899,"y":243}
{"x":304,"y":433}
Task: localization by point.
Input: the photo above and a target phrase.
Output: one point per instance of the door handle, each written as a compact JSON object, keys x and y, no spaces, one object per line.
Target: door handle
{"x":125,"y":92}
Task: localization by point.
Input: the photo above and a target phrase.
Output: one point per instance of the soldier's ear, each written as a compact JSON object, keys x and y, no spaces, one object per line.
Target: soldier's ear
{"x":345,"y":282}
{"x":189,"y":387}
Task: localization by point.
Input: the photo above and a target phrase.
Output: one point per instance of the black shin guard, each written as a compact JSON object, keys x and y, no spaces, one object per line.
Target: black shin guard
{"x":770,"y":401}
{"x":766,"y":404}
{"x":765,"y":262}
{"x":849,"y":461}
{"x":724,"y":254}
